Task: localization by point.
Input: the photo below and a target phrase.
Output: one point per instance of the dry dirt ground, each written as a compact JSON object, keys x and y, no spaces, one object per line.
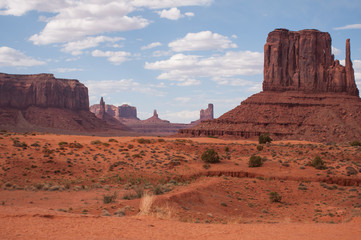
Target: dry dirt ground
{"x":81,"y":187}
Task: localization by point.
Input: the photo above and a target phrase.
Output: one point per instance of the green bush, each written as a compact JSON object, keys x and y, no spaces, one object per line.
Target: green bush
{"x":17,"y":143}
{"x":143,"y":141}
{"x":259,"y":147}
{"x":255,"y":161}
{"x":264,"y":138}
{"x":75,"y":145}
{"x":96,"y":142}
{"x":355,"y":143}
{"x":275,"y":197}
{"x":210,"y":156}
{"x":109,"y":198}
{"x":318,"y":163}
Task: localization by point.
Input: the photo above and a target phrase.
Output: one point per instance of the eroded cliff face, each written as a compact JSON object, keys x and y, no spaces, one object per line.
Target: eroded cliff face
{"x":41,"y":102}
{"x":307,"y":95}
{"x":302,"y":61}
{"x":42,"y":90}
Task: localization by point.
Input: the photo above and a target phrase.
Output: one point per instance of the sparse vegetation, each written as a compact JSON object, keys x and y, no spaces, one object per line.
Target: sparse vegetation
{"x":210,"y":156}
{"x":355,"y":143}
{"x":109,"y":198}
{"x":264,"y":138}
{"x":143,"y":141}
{"x":318,"y":163}
{"x":255,"y":161}
{"x":259,"y":147}
{"x":275,"y":197}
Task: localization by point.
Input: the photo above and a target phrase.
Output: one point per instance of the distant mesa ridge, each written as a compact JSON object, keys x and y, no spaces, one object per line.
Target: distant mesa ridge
{"x":41,"y":102}
{"x":42,"y":90}
{"x":307,"y":94}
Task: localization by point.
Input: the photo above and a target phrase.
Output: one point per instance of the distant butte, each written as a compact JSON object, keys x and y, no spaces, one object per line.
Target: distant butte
{"x":307,"y":95}
{"x":41,"y":102}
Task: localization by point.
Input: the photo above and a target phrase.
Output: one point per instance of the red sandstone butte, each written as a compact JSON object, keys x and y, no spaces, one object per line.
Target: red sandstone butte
{"x":307,"y":95}
{"x":41,"y":102}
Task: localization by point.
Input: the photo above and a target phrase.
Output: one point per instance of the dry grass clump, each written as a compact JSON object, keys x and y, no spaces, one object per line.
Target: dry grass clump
{"x":146,"y":203}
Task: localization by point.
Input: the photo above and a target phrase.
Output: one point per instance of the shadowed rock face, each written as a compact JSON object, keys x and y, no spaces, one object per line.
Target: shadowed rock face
{"x":302,"y":61}
{"x":207,"y":114}
{"x":42,"y":90}
{"x":307,"y":95}
{"x":41,"y":102}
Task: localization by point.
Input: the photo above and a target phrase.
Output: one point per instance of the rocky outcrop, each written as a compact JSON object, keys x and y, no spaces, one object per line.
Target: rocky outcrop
{"x":307,"y":95}
{"x":124,"y":113}
{"x":154,"y":119}
{"x":302,"y":61}
{"x":41,"y":102}
{"x":103,"y":114}
{"x":207,"y":114}
{"x":42,"y":90}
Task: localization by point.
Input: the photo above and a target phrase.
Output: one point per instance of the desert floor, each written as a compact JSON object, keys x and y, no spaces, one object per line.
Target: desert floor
{"x":81,"y":187}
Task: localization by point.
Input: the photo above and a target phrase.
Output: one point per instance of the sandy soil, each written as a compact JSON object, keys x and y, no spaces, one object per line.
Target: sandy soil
{"x":81,"y":187}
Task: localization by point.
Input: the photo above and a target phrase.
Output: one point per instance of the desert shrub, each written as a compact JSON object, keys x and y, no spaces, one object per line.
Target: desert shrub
{"x":130,"y":146}
{"x":264,"y":138}
{"x":112,"y":140}
{"x":109,"y":198}
{"x":96,"y":142}
{"x":161,"y":140}
{"x":318,"y":163}
{"x":143,"y":141}
{"x":226,"y":149}
{"x":210,"y":156}
{"x":63,"y":144}
{"x":106,"y":144}
{"x":36,"y":144}
{"x":17,"y":143}
{"x":355,"y":143}
{"x":275,"y":197}
{"x":75,"y":145}
{"x":48,"y":151}
{"x":259,"y":147}
{"x":255,"y":161}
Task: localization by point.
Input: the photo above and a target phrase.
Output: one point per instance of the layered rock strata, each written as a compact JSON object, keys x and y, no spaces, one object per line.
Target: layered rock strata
{"x":302,"y":61}
{"x":42,"y":90}
{"x":41,"y":102}
{"x":207,"y":114}
{"x":307,"y":95}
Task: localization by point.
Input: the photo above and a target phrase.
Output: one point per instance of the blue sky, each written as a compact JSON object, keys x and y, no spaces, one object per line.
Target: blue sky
{"x":175,"y":56}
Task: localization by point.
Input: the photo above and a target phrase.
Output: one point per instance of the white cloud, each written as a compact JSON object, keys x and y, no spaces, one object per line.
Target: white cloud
{"x":20,"y":7}
{"x":205,"y":40}
{"x":223,"y":69}
{"x":351,"y":26}
{"x":108,"y":87}
{"x":161,"y":53}
{"x":159,"y":4}
{"x":171,"y":14}
{"x":116,"y":58}
{"x":76,"y":47}
{"x":151,"y":45}
{"x":76,"y":19}
{"x":189,"y":82}
{"x":182,"y":116}
{"x":336,"y":51}
{"x":183,"y":100}
{"x":357,"y":69}
{"x":14,"y":58}
{"x":189,"y":14}
{"x":66,"y":70}
{"x":84,"y":18}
